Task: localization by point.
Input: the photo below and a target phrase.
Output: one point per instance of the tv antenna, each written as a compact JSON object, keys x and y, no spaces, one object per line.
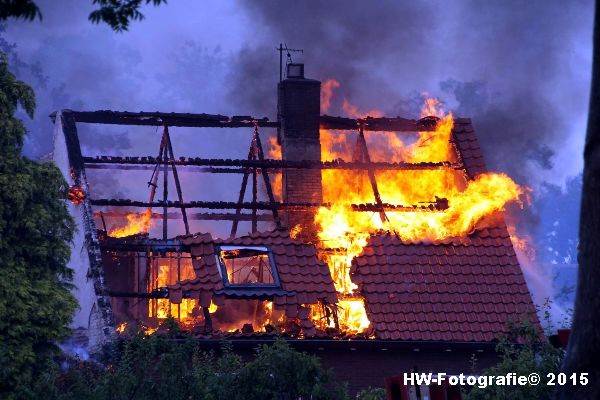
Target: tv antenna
{"x":283,"y":47}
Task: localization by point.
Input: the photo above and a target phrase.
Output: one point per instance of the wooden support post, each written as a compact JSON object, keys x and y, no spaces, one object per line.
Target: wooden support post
{"x":362,"y":143}
{"x":207,"y":320}
{"x":254,"y":199}
{"x":176,"y":179}
{"x":165,"y":191}
{"x":238,"y":210}
{"x":153,"y":183}
{"x":103,"y":221}
{"x":265,"y":175}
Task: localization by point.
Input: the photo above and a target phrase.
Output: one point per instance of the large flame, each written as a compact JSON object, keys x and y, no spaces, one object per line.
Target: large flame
{"x":327,"y":89}
{"x":136,"y":223}
{"x":274,"y":153}
{"x":343,"y":233}
{"x":168,"y":274}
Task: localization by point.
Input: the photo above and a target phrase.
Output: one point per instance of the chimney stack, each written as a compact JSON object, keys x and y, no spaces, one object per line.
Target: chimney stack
{"x":299,"y":103}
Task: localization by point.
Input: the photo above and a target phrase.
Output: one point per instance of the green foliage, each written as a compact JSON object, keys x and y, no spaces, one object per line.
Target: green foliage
{"x":371,"y":393}
{"x":160,"y":366}
{"x":279,"y":372}
{"x":116,"y":13}
{"x":532,"y":354}
{"x":25,"y":9}
{"x":35,"y":229}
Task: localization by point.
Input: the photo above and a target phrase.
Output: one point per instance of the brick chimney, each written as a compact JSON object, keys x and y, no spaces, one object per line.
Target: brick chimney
{"x":299,"y":103}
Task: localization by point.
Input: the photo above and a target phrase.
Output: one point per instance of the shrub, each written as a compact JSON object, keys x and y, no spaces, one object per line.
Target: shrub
{"x":371,"y":393}
{"x":175,"y":368}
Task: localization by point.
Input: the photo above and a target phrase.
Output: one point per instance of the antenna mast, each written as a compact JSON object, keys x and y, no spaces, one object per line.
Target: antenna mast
{"x":283,"y":47}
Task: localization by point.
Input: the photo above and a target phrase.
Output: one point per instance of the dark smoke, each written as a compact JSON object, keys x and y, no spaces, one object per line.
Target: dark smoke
{"x":512,"y":66}
{"x":520,"y":69}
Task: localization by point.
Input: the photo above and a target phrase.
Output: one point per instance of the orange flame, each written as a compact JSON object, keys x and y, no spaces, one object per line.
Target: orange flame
{"x":184,"y":310}
{"x":274,"y":152}
{"x":295,"y":231}
{"x":121,"y":328}
{"x":327,"y":93}
{"x":343,"y":233}
{"x":136,"y":223}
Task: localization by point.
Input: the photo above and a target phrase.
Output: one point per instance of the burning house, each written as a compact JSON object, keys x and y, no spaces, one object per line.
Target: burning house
{"x":381,"y":244}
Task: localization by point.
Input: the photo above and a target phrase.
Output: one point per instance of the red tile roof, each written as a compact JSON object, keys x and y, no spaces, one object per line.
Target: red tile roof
{"x":453,"y":290}
{"x":463,"y":137}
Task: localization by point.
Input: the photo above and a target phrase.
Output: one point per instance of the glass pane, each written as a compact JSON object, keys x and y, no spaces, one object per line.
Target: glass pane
{"x":247,"y":266}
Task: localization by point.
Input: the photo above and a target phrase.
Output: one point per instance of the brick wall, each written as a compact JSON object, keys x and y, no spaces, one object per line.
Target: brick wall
{"x":298,"y":109}
{"x":362,"y":368}
{"x":370,"y":366}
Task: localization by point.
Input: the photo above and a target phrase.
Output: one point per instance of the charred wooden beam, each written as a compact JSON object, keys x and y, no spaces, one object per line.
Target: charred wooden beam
{"x":139,"y":295}
{"x":272,"y":164}
{"x":362,"y":146}
{"x":396,"y":124}
{"x":170,"y":119}
{"x":160,"y":293}
{"x":222,"y":121}
{"x":196,"y":216}
{"x":439,"y":205}
{"x":126,"y":244}
{"x":142,"y":118}
{"x":191,"y":168}
{"x":177,"y":183}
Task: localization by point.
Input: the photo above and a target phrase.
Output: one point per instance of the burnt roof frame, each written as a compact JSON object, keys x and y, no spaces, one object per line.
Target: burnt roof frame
{"x":340,"y":124}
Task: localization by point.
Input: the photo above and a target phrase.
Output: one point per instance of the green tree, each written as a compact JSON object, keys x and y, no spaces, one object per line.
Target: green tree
{"x":36,"y":305}
{"x":522,"y":351}
{"x":116,"y":13}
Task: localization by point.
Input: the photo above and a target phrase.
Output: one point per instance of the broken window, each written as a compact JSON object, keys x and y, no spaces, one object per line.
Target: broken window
{"x":165,"y":270}
{"x":247,"y":266}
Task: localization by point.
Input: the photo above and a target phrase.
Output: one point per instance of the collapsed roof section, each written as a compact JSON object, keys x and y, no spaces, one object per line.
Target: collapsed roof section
{"x":301,"y":278}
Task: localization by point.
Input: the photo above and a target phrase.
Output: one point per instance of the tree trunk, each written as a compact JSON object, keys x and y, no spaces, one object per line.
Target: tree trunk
{"x":583,"y":351}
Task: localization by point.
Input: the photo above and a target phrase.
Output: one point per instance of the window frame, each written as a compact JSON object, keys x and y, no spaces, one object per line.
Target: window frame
{"x":223,"y":267}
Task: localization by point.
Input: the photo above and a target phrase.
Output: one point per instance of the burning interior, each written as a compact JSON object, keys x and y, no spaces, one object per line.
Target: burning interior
{"x":368,"y":225}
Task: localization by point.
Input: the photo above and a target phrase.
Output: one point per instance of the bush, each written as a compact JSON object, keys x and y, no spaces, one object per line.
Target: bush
{"x":532,"y":354}
{"x":371,"y":394}
{"x":165,"y":367}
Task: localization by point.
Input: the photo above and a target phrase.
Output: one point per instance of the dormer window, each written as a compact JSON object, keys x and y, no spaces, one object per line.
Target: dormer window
{"x":247,"y":266}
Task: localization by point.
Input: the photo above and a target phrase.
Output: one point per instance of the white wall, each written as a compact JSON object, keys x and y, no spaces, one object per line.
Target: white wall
{"x":80,"y":261}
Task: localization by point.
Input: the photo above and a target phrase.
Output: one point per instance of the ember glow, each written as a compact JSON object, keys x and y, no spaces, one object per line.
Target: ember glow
{"x":121,"y":328}
{"x":76,"y":194}
{"x":136,"y":223}
{"x":343,"y":233}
